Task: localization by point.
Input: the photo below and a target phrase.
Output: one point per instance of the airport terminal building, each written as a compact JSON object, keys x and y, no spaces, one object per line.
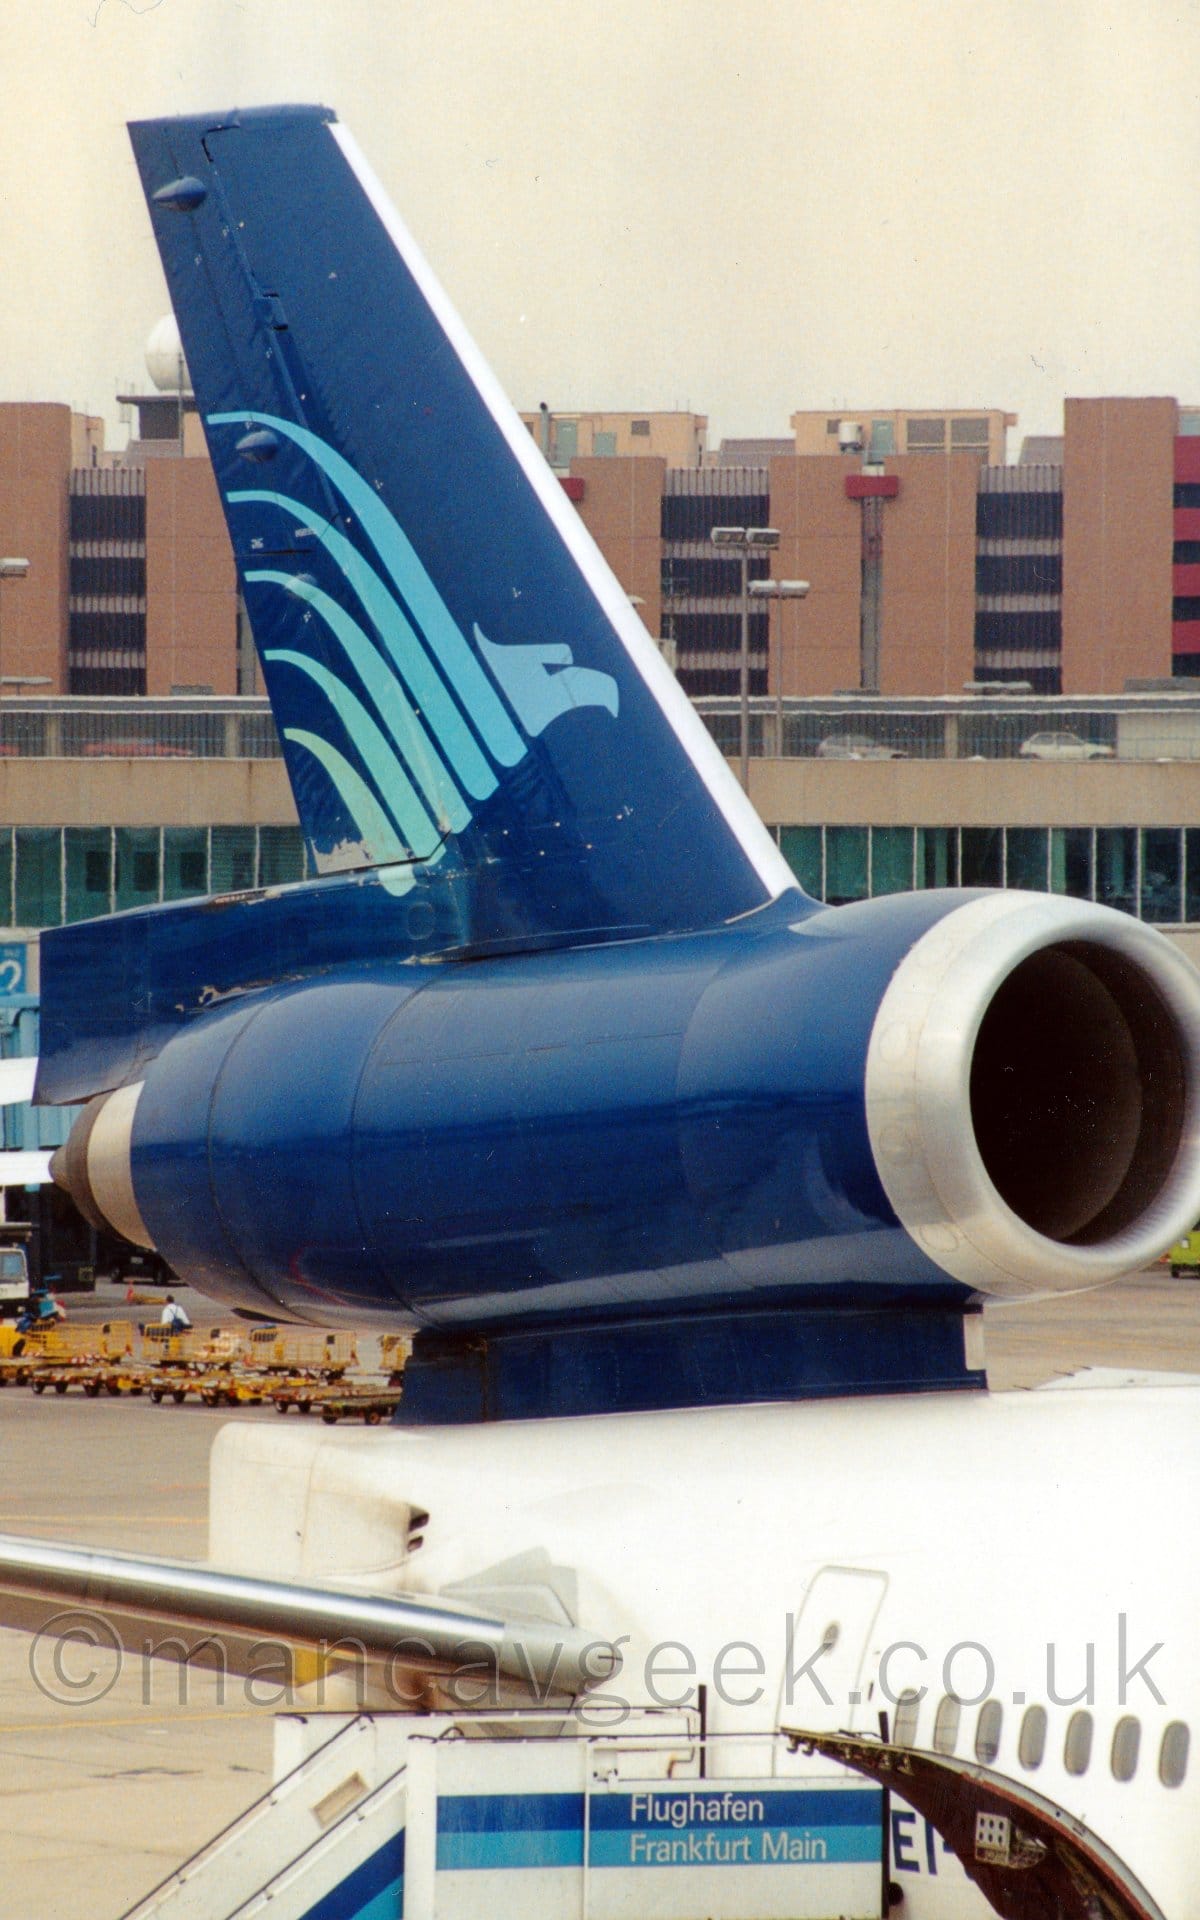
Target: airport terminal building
{"x":138,"y":759}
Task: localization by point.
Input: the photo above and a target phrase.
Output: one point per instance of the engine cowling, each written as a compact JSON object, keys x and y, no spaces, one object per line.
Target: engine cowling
{"x":999,"y":1091}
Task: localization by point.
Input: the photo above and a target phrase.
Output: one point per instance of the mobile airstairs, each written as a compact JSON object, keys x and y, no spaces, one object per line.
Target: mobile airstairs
{"x":375,"y":1816}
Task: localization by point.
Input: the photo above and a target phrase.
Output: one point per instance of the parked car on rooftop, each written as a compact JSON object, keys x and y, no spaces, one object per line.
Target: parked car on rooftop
{"x":856,"y":746}
{"x":1063,"y":746}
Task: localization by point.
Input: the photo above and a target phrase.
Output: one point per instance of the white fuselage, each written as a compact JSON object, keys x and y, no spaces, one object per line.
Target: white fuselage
{"x":1024,"y":1549}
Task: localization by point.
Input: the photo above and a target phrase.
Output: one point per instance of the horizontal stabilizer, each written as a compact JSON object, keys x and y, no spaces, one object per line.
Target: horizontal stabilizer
{"x":28,"y":1167}
{"x":414,"y":1632}
{"x":16,"y":1080}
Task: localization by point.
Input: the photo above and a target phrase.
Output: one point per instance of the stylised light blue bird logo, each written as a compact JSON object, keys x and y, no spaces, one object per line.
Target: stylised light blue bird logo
{"x":448,"y":719}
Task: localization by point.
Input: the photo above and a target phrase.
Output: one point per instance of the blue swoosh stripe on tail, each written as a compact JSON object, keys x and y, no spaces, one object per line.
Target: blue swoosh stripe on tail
{"x":448,"y":805}
{"x":428,"y":608}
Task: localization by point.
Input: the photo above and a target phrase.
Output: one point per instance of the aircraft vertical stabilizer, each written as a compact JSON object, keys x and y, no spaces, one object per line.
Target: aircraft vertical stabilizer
{"x":468,"y":703}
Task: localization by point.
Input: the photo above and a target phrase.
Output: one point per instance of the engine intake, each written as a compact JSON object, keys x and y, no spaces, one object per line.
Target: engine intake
{"x":1032,"y":1094}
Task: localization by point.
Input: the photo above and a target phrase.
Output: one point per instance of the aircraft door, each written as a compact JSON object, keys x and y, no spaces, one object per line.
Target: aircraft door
{"x":825,"y":1665}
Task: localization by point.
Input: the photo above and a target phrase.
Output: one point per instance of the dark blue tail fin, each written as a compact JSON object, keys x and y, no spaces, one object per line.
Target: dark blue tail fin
{"x":467,"y":701}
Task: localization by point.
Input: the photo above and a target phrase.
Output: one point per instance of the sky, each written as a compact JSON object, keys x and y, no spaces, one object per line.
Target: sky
{"x":641,"y":204}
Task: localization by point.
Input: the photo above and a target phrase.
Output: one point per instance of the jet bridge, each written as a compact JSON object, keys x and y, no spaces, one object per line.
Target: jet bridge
{"x":441,"y":1817}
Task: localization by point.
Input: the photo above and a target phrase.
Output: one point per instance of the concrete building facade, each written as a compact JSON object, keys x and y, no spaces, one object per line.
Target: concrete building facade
{"x":130,"y":587}
{"x":1077,"y":572}
{"x":880,"y":432}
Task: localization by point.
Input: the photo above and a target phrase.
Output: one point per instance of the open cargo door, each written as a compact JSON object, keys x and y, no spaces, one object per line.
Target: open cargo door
{"x":1029,"y":1858}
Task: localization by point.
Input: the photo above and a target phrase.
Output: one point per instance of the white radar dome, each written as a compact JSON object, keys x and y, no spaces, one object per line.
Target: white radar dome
{"x":164,"y":358}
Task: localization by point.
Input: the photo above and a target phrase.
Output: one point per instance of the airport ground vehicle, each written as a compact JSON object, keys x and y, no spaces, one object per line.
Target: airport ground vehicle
{"x":14,"y":1277}
{"x":1184,"y":1256}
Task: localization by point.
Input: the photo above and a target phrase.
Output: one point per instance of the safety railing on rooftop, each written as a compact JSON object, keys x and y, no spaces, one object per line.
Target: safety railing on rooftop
{"x":1144,"y":727}
{"x":1060,"y":730}
{"x":194,"y":728}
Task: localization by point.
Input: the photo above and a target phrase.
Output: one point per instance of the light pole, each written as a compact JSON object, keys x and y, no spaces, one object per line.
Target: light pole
{"x":746,"y":540}
{"x":12,"y":567}
{"x":779,"y":590}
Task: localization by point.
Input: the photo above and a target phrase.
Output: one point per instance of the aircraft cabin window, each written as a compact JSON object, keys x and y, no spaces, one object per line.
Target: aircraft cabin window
{"x":1031,"y":1747}
{"x":1077,"y":1747}
{"x":1173,"y":1754}
{"x":946,"y":1723}
{"x":908,"y":1706}
{"x":987,"y":1731}
{"x":1127,"y":1738}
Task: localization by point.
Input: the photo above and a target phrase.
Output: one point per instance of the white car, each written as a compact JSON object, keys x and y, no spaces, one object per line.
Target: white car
{"x":1063,"y":746}
{"x":856,"y":746}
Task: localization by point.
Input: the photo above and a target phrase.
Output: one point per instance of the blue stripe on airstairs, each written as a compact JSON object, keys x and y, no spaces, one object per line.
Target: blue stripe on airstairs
{"x":373,"y":1891}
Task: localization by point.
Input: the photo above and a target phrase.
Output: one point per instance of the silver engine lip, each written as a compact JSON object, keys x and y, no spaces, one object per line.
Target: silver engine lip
{"x":109,"y":1165}
{"x":919,"y":1107}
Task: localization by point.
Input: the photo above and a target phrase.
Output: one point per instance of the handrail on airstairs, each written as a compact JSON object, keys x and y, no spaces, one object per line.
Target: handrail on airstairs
{"x":377,"y":1806}
{"x":359,"y":1816}
{"x":171,"y":1893}
{"x":186,"y":1893}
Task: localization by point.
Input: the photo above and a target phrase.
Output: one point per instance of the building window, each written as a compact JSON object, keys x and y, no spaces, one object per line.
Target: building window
{"x":692,"y":516}
{"x":87,"y":855}
{"x":6,"y":877}
{"x":982,"y":856}
{"x":1018,"y":573}
{"x":233,"y":859}
{"x":1162,"y":875}
{"x":1018,"y":516}
{"x":970,"y":435}
{"x":281,"y":856}
{"x":107,"y":574}
{"x":1071,"y":865}
{"x":891,"y":860}
{"x":801,"y":848}
{"x":1033,"y":630}
{"x":1026,"y":858}
{"x":38,"y":876}
{"x":926,"y":436}
{"x":640,"y":429}
{"x":107,"y":516}
{"x":185,"y":862}
{"x":698,"y":577}
{"x":845,"y":864}
{"x":723,"y":682}
{"x":937,"y":856}
{"x":1116,"y":867}
{"x":718,"y":633}
{"x":137,"y":864}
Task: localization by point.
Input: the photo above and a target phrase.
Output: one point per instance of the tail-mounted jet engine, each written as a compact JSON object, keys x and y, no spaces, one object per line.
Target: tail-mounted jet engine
{"x":906,"y":1103}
